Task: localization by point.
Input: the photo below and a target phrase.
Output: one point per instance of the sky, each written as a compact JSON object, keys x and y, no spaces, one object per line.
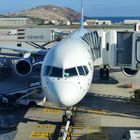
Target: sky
{"x":92,"y":8}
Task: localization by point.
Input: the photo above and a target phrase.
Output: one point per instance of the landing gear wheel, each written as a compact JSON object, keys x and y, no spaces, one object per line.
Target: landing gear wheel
{"x":101,"y":73}
{"x":72,"y":120}
{"x":107,"y":73}
{"x":64,"y":119}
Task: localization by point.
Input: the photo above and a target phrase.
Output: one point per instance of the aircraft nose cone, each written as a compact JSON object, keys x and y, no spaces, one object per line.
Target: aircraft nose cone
{"x":67,"y":94}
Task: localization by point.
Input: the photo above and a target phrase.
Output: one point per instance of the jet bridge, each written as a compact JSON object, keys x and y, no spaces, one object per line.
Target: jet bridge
{"x":39,"y":37}
{"x":36,"y":37}
{"x":121,"y":49}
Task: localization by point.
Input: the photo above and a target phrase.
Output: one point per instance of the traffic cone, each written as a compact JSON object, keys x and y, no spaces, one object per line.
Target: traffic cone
{"x":131,"y":85}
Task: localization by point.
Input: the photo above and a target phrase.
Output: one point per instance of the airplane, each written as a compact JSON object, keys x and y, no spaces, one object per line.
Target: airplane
{"x":67,"y":77}
{"x":67,"y":68}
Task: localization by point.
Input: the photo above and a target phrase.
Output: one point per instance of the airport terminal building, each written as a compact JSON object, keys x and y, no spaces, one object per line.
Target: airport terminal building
{"x":14,"y":21}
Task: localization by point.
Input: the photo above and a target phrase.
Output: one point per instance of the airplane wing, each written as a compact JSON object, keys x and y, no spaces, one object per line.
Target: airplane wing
{"x":24,"y":49}
{"x":24,"y":58}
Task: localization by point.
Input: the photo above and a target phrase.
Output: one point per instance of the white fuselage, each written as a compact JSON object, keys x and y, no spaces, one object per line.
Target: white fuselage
{"x":67,"y":70}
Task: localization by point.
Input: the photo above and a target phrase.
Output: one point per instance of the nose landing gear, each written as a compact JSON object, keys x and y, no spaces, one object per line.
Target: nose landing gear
{"x":67,"y":120}
{"x":68,"y":117}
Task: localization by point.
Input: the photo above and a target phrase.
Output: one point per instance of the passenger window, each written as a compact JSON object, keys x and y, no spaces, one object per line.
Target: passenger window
{"x":86,"y":70}
{"x":81,"y":70}
{"x":70,"y":72}
{"x":47,"y":70}
{"x":56,"y":72}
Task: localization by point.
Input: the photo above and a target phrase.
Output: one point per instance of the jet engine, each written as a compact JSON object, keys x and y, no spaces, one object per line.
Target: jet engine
{"x":23,"y":67}
{"x":129,"y":72}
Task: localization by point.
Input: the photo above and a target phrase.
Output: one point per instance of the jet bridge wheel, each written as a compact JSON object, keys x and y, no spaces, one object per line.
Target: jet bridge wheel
{"x":104,"y":73}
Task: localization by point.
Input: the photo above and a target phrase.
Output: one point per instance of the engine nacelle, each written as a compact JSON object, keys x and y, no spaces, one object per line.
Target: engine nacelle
{"x":23,"y":67}
{"x":129,"y":72}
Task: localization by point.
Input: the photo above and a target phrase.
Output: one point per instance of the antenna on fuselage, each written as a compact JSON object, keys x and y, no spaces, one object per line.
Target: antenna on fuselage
{"x":82,"y":16}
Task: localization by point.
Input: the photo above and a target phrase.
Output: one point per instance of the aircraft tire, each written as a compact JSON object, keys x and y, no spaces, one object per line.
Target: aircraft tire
{"x":101,"y":73}
{"x":107,"y":73}
{"x":72,"y":120}
{"x":64,"y":119}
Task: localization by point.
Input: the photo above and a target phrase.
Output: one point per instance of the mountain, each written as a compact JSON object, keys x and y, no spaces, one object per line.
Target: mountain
{"x":48,"y":12}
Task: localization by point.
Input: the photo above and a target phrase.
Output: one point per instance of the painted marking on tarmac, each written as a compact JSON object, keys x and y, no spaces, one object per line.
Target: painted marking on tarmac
{"x":93,"y":127}
{"x":100,"y":112}
{"x":39,"y":135}
{"x":44,"y":126}
{"x":47,"y":110}
{"x":97,"y":111}
{"x":75,"y":127}
{"x":71,"y":134}
{"x":97,"y":135}
{"x":75,"y":135}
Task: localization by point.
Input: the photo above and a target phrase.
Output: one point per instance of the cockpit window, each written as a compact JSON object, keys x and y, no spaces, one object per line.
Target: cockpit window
{"x":81,"y":70}
{"x":56,"y":72}
{"x":70,"y":72}
{"x":47,"y":70}
{"x":86,"y":70}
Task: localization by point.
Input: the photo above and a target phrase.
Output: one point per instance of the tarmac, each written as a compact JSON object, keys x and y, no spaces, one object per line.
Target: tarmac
{"x":106,"y":113}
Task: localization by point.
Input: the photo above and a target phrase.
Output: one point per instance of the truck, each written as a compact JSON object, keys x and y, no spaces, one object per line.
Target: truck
{"x":12,"y":32}
{"x":131,"y":135}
